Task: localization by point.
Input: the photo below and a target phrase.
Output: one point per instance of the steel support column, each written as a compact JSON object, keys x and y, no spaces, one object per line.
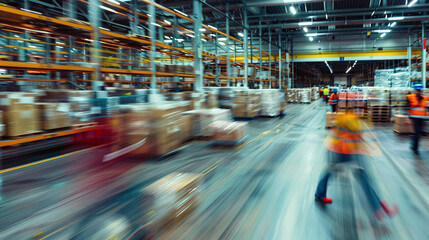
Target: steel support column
{"x":228,"y":62}
{"x":152,"y":32}
{"x":260,"y":56}
{"x":280,"y":62}
{"x":95,"y":20}
{"x":269,"y":57}
{"x":246,"y":48}
{"x":423,"y":57}
{"x":409,"y":56}
{"x":198,"y":17}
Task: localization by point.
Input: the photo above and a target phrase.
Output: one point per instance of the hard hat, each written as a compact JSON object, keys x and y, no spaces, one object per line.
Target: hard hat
{"x":334,"y":90}
{"x":418,"y":86}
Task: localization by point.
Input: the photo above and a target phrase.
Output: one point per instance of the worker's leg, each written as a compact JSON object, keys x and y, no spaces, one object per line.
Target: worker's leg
{"x":417,"y":124}
{"x":372,"y":197}
{"x":322,"y":187}
{"x":334,"y":107}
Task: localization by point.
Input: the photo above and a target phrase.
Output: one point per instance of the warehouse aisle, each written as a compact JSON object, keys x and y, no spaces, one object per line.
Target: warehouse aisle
{"x":262,"y":189}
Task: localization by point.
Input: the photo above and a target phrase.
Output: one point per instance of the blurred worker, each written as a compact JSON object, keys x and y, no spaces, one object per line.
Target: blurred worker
{"x":333,"y":100}
{"x":326,"y":93}
{"x":320,"y":92}
{"x":349,"y":144}
{"x":417,"y":110}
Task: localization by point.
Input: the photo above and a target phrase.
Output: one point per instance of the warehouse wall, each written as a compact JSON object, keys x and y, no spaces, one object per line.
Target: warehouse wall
{"x":342,"y":43}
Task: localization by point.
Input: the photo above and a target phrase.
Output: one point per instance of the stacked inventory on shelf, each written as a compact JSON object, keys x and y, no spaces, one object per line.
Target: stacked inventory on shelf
{"x":301,"y":95}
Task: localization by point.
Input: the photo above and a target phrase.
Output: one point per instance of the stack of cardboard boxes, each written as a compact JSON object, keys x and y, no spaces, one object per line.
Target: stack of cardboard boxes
{"x":246,"y":104}
{"x":202,"y":118}
{"x":270,"y":102}
{"x":403,"y":124}
{"x":20,"y":114}
{"x":227,"y":131}
{"x":195,"y":99}
{"x":211,"y":99}
{"x":54,"y":115}
{"x":173,"y":198}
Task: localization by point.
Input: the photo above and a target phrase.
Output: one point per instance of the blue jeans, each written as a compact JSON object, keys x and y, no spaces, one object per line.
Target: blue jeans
{"x":418,"y":125}
{"x":361,"y":175}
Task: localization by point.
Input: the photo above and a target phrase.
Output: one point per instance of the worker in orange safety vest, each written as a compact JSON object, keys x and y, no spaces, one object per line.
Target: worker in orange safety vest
{"x":349,"y":143}
{"x":333,"y":100}
{"x":417,"y":110}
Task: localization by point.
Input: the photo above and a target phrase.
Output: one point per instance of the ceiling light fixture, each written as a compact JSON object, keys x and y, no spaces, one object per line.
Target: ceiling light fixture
{"x":240,"y":34}
{"x":412,"y":3}
{"x":168,"y":22}
{"x":202,"y":39}
{"x":221,"y":39}
{"x":106,"y":29}
{"x":348,"y":70}
{"x":222,"y":43}
{"x":396,"y":18}
{"x":115,"y":2}
{"x":311,"y":39}
{"x":326,"y":15}
{"x":190,"y":35}
{"x":184,"y":14}
{"x":305,"y":23}
{"x":372,"y":14}
{"x":30,"y":11}
{"x":292,"y":10}
{"x":108,"y":9}
{"x":311,"y":34}
{"x":383,"y":31}
{"x":168,"y":41}
{"x":305,"y":29}
{"x":382,"y":35}
{"x":156,"y":24}
{"x":210,"y":26}
{"x":202,"y":29}
{"x":393,"y":24}
{"x":330,"y":69}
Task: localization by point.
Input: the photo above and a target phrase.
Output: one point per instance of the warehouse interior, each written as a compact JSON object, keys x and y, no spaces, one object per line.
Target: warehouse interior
{"x":214,"y":119}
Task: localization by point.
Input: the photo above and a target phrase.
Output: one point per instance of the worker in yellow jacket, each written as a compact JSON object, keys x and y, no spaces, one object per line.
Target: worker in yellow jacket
{"x":418,"y":113}
{"x":351,"y":141}
{"x":326,"y":94}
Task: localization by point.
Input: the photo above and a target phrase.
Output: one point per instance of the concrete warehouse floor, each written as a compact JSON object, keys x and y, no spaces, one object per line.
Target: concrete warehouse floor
{"x":263,"y":189}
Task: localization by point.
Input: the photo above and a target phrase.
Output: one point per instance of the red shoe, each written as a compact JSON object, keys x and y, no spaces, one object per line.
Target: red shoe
{"x":324,"y":200}
{"x":390,"y":212}
{"x":380,"y":214}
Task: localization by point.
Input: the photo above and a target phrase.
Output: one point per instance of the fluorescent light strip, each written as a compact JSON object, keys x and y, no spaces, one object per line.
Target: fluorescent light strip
{"x":383,"y":31}
{"x":156,"y":24}
{"x":108,"y":9}
{"x":326,"y":15}
{"x":240,"y":34}
{"x":106,"y":29}
{"x":311,"y":34}
{"x":204,"y":40}
{"x":393,"y":24}
{"x":348,"y":70}
{"x":372,"y":14}
{"x":168,"y":22}
{"x":311,"y":39}
{"x":412,"y":3}
{"x":222,"y":43}
{"x":184,"y":14}
{"x":113,"y":1}
{"x":222,"y":39}
{"x":305,"y":23}
{"x":168,"y":41}
{"x":292,"y":10}
{"x":30,"y":11}
{"x":305,"y":29}
{"x":382,"y":35}
{"x":202,"y":29}
{"x":190,"y":35}
{"x":396,"y":18}
{"x":212,"y":27}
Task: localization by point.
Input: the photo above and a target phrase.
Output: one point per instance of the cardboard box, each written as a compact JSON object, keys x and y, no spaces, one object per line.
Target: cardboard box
{"x":228,"y":131}
{"x":54,"y":115}
{"x":403,"y":124}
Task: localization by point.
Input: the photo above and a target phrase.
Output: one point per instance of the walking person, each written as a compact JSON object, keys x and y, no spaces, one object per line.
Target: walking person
{"x":326,"y":93}
{"x":333,"y":100}
{"x":417,"y":110}
{"x":350,"y":143}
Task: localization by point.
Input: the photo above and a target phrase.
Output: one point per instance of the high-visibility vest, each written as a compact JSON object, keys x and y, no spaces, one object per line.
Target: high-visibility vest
{"x":417,"y":108}
{"x":326,"y":91}
{"x":350,"y":135}
{"x":333,"y":99}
